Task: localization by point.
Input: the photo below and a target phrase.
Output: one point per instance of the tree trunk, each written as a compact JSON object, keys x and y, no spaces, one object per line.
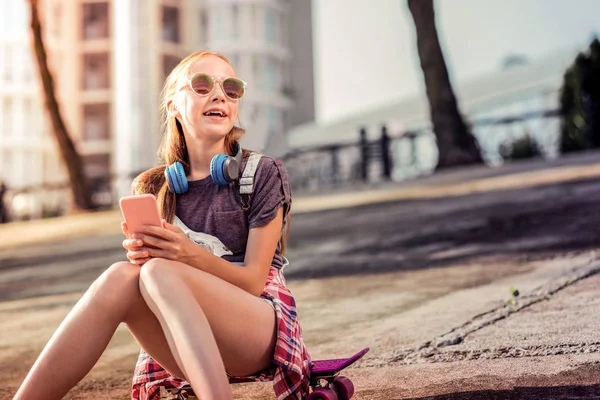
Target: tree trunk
{"x":456,"y":145}
{"x":82,"y":198}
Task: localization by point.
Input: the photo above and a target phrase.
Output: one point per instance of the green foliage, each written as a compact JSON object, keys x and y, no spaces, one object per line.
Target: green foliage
{"x":50,"y":212}
{"x":580,"y":102}
{"x":519,"y":149}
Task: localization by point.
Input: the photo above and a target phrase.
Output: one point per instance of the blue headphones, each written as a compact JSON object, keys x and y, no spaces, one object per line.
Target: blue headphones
{"x":223,"y":170}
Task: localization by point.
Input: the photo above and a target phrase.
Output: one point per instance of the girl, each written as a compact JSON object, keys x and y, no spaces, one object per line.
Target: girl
{"x":204,"y":294}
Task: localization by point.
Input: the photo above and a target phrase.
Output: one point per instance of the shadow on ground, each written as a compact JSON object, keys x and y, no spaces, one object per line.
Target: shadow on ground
{"x":508,"y":225}
{"x":417,"y":234}
{"x":525,"y":393}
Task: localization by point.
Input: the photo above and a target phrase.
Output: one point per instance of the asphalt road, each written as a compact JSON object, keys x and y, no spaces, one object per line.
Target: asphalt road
{"x":400,"y":235}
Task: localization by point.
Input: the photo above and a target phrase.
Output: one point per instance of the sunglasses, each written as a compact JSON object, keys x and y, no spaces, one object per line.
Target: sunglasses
{"x":203,"y":85}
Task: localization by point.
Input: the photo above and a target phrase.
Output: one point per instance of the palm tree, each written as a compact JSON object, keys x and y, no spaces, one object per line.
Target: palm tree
{"x":82,"y":198}
{"x":456,"y":144}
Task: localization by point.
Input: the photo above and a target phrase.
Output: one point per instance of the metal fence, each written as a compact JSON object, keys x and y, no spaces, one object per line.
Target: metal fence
{"x":393,"y":156}
{"x":409,"y":154}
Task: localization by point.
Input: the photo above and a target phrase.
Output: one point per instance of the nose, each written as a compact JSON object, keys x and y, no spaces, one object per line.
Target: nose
{"x":218,"y":93}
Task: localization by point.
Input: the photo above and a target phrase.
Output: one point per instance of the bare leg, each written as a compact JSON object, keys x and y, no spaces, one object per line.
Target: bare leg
{"x":241,"y":324}
{"x":83,"y":336}
{"x":188,"y":332}
{"x":209,"y":324}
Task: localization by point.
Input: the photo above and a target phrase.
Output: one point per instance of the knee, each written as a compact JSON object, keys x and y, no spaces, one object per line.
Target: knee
{"x":158,"y":276}
{"x":118,"y":280}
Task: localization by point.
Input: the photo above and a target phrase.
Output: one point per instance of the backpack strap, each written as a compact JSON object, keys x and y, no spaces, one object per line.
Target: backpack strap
{"x":247,"y":179}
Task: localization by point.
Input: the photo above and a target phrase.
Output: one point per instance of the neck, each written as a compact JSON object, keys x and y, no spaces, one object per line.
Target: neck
{"x":201,"y":153}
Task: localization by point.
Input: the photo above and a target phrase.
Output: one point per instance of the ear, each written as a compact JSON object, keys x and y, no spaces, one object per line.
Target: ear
{"x":173,"y":112}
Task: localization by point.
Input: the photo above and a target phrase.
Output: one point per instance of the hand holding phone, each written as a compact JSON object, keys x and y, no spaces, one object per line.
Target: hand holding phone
{"x":138,"y":211}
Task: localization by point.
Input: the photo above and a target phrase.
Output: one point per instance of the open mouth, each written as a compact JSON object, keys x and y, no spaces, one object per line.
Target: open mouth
{"x":215,"y":113}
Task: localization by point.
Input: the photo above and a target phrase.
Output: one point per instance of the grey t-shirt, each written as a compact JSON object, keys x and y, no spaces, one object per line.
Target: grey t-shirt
{"x":207,"y":208}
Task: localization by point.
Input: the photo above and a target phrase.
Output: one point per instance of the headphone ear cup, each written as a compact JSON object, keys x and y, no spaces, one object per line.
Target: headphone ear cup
{"x":231,"y":169}
{"x":176,"y":180}
{"x":181,"y":178}
{"x":217,"y":169}
{"x":172,"y":179}
{"x":168,"y":179}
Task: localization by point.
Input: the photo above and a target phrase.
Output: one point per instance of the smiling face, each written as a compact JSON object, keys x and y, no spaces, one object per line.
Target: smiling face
{"x":209,"y":116}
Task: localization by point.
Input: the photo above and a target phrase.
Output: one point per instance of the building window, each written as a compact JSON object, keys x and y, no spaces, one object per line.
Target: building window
{"x":95,"y":21}
{"x":235,"y":24}
{"x":7,"y":64}
{"x":273,"y":117}
{"x":28,"y":118}
{"x":170,"y":24}
{"x":270,"y":76}
{"x":7,"y":27}
{"x":284,"y":29}
{"x":235,"y":60}
{"x":32,"y":165}
{"x":253,"y":22}
{"x":97,"y":169}
{"x":278,"y":27}
{"x":95,"y":71}
{"x":28,"y":65}
{"x":7,"y":116}
{"x":255,"y":114}
{"x":7,"y":165}
{"x":169,"y":62}
{"x":97,"y":165}
{"x":96,"y":122}
{"x":270,"y":27}
{"x":203,"y":26}
{"x":220,"y":25}
{"x":255,"y":73}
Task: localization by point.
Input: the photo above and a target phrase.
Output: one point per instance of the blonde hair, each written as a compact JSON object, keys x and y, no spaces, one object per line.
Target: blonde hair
{"x":173,"y":147}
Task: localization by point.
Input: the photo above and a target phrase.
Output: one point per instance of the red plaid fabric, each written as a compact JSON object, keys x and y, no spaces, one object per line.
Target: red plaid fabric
{"x":291,"y":364}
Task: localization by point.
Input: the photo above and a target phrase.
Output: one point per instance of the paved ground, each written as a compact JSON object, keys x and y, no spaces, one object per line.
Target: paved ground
{"x":423,"y":274}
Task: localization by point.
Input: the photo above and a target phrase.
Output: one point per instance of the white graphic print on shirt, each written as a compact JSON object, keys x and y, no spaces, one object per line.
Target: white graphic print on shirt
{"x":211,"y":243}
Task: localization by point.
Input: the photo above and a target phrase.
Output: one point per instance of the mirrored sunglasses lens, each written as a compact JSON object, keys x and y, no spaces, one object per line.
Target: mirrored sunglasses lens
{"x":202,"y":84}
{"x":234,"y":88}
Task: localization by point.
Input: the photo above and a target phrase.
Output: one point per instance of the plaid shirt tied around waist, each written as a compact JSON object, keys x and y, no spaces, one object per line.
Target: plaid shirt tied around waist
{"x":289,"y":373}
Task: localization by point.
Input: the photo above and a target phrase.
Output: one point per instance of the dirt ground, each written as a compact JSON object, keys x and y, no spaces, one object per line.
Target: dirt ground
{"x":338,"y":315}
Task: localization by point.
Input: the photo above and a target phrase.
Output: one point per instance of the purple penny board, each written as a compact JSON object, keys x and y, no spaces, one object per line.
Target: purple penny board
{"x":320,"y":369}
{"x":331,"y":367}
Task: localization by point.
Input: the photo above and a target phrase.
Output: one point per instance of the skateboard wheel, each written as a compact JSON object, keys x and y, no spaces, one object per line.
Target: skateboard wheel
{"x":344,"y":387}
{"x":323,"y":394}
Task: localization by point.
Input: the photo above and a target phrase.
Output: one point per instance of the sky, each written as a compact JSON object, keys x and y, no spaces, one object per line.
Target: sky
{"x":365,"y":50}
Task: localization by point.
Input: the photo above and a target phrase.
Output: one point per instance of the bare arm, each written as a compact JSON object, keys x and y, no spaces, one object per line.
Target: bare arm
{"x":173,"y":244}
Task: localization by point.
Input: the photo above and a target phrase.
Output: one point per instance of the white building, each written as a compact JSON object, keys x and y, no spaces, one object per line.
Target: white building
{"x":511,"y":92}
{"x":28,"y":156}
{"x":269,"y":42}
{"x":110,"y":58}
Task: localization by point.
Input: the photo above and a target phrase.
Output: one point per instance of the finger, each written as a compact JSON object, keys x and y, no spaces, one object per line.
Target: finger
{"x":140,"y":261}
{"x":171,"y":227}
{"x":133,"y":255}
{"x":124,"y":228}
{"x":132,"y":244}
{"x":159,"y":232}
{"x":159,"y":253}
{"x":152,"y":241}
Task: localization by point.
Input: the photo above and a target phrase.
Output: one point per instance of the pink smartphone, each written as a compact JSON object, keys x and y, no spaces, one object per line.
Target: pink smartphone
{"x":140,"y":210}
